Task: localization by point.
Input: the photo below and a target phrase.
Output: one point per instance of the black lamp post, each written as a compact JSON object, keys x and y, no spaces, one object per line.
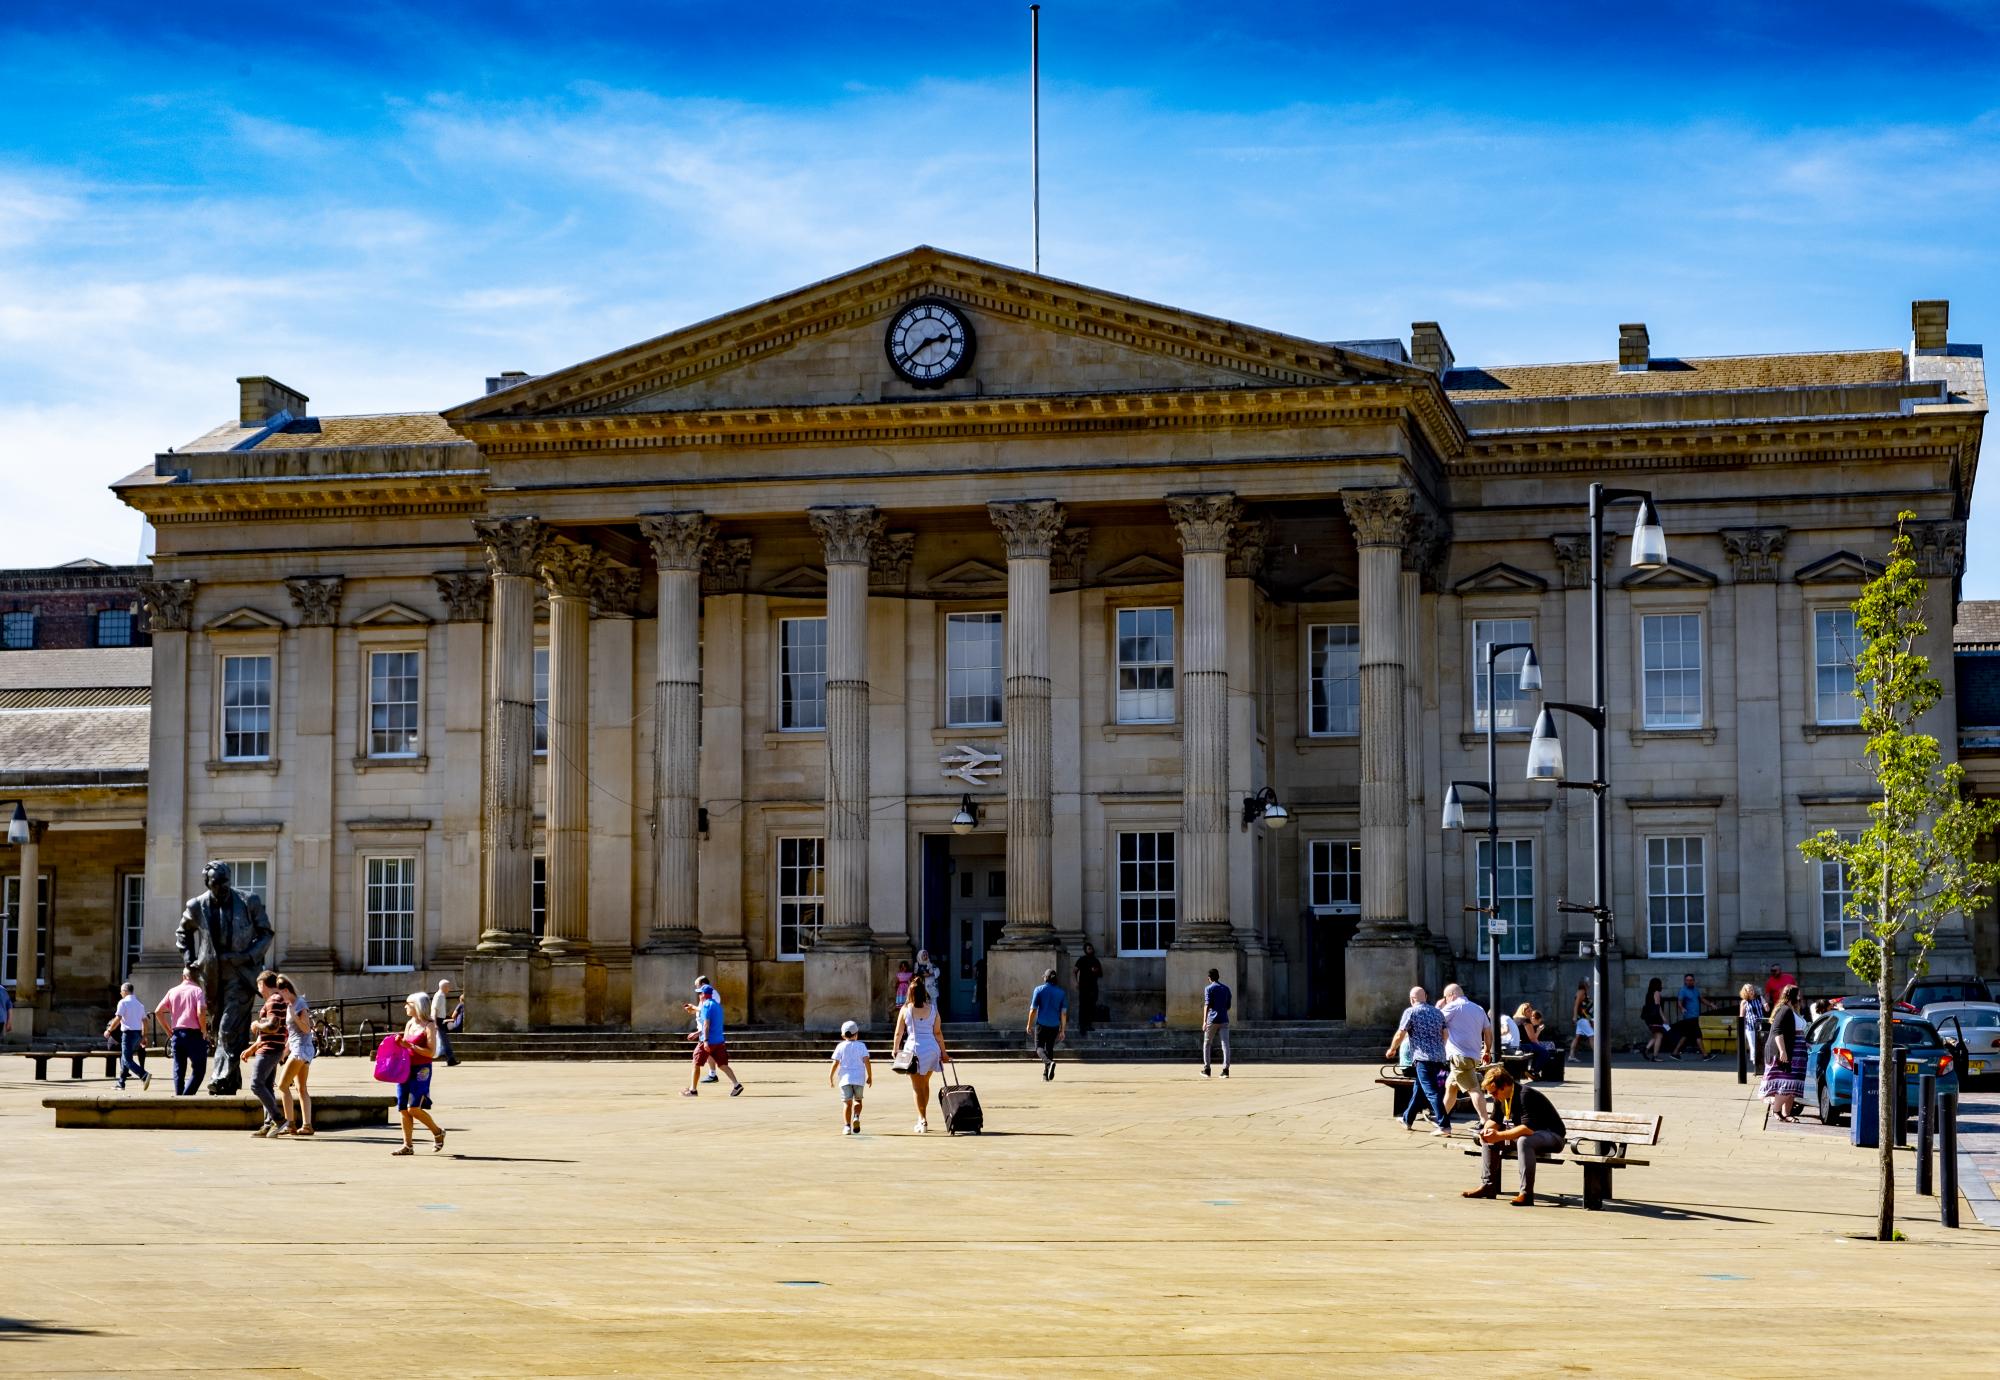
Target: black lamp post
{"x":1454,"y":818}
{"x":1545,"y":761}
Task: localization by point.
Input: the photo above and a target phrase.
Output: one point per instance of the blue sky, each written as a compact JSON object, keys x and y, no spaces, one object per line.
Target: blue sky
{"x":384,"y":205}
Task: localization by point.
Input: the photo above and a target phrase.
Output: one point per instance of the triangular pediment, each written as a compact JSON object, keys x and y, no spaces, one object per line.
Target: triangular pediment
{"x":243,"y":619}
{"x":1140,"y":570}
{"x":1336,"y":585}
{"x":1675,"y":574}
{"x":969,"y":576}
{"x":806,"y":580}
{"x":1501,"y":578}
{"x":392,"y":616}
{"x":825,"y":345}
{"x":1841,"y":568}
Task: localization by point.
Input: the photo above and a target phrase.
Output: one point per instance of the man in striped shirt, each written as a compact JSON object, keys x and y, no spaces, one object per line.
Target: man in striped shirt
{"x":267,"y":1049}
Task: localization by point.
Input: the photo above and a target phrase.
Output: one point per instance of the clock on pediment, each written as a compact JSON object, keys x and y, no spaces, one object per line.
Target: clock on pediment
{"x":929,"y":341}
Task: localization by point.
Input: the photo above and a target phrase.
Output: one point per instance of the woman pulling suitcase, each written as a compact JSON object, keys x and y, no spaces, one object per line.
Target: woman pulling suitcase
{"x":919,"y":1045}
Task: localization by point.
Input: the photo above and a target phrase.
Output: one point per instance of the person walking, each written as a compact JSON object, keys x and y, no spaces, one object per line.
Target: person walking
{"x":852,"y":1074}
{"x":1468,"y":1043}
{"x":128,"y":1023}
{"x":267,"y":1047}
{"x":710,"y":1044}
{"x":1089,"y":975}
{"x":6,"y":1010}
{"x":1750,"y":1014}
{"x":449,"y":1016}
{"x":1422,"y":1026}
{"x":413,"y":1094}
{"x":1584,"y":1027}
{"x":1048,"y":1016}
{"x":1785,"y":1058}
{"x":1215,"y":1000}
{"x":184,"y":1012}
{"x":919,"y":1045}
{"x":300,"y":1047}
{"x":930,"y":975}
{"x":1688,"y":1027}
{"x":1523,"y":1118}
{"x":1653,"y":1011}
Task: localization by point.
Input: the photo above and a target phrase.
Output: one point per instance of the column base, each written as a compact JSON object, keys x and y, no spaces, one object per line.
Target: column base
{"x":839,"y":982}
{"x":497,"y":990}
{"x":1255,"y":998}
{"x":662,"y":982}
{"x":1187,"y":975}
{"x":1382,"y":967}
{"x":566,"y":989}
{"x":1014,"y":969}
{"x":21,"y":1026}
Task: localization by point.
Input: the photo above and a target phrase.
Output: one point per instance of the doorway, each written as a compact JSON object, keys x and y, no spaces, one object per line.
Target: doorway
{"x":965,"y":909}
{"x":1326,"y":964}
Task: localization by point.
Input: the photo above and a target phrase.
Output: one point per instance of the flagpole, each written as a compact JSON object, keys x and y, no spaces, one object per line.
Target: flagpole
{"x":1035,"y":121}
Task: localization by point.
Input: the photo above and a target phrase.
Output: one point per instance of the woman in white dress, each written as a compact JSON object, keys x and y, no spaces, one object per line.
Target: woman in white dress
{"x":919,"y":1046}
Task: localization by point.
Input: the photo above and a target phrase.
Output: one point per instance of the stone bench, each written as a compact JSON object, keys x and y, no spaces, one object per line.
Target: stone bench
{"x":77,"y":1057}
{"x":203,"y":1112}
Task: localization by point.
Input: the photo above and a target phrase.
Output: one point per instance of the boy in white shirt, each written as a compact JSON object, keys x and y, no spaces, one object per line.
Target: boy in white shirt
{"x":851,"y":1072}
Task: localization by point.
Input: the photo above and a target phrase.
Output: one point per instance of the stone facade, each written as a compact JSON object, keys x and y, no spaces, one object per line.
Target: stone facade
{"x":82,"y":604}
{"x":788,"y":615}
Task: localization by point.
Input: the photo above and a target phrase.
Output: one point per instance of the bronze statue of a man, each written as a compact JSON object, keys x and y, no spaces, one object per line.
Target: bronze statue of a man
{"x":223,"y":937}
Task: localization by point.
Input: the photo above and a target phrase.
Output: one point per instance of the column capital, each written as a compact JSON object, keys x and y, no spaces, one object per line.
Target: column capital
{"x":1066,"y":556}
{"x":317,"y":598}
{"x":1249,"y":544}
{"x":725,"y":566}
{"x":513,"y":544}
{"x":1428,"y":545}
{"x":466,"y":594}
{"x":847,"y":533}
{"x":1573,"y":558}
{"x":169,"y":604}
{"x":889,"y":562}
{"x":570,"y":569}
{"x":1205,"y":521}
{"x":1939,"y":549}
{"x":615,"y":592}
{"x":1029,"y":526}
{"x":1755,"y":553}
{"x":1381,"y":517}
{"x":680,"y":539}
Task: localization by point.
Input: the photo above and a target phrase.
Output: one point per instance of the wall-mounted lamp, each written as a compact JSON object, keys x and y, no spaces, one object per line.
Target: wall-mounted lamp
{"x":17,"y":828}
{"x":967,"y":818}
{"x":1264,"y":805}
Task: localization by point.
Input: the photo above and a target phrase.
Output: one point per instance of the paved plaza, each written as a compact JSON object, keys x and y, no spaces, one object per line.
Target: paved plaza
{"x":1124,"y":1220}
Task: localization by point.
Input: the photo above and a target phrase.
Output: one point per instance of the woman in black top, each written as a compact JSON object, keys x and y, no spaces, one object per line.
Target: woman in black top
{"x":1655,"y":1017}
{"x":1785,"y":1058}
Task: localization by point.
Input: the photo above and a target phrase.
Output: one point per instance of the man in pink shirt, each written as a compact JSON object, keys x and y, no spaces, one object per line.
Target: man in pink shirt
{"x":184,"y":1009}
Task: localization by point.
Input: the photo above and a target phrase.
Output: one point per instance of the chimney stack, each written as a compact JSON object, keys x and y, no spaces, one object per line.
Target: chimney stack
{"x":1930,"y":322}
{"x":263,"y":398}
{"x":506,"y":379}
{"x":1428,"y":347}
{"x":1635,"y":348}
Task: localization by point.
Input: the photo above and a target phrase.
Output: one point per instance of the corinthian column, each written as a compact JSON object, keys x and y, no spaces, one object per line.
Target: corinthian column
{"x":571,"y":573}
{"x":837,"y":968}
{"x":1205,"y":522}
{"x":1383,"y":960}
{"x":513,"y":553}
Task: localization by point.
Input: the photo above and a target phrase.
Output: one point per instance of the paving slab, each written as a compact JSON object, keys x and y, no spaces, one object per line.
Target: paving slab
{"x":1128,"y":1220}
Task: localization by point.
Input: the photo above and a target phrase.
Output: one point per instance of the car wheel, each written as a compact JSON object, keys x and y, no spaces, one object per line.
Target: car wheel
{"x":1829,"y":1115}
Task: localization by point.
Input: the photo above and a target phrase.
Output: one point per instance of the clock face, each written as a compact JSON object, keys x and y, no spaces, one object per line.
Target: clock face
{"x":929,"y":341}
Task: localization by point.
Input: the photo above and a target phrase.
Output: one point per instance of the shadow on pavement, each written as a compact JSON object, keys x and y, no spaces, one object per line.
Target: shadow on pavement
{"x":23,"y":1329}
{"x":1676,"y":1212}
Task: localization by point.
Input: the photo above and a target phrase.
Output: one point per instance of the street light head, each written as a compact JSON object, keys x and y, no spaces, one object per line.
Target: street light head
{"x":1531,"y":672}
{"x":17,"y":828}
{"x":1545,"y":751}
{"x":1264,"y":806}
{"x":1276,"y":816}
{"x":1649,"y":543}
{"x":967,"y":818}
{"x":1454,"y":809}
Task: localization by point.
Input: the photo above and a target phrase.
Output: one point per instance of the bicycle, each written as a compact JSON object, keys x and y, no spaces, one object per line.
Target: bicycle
{"x":330,"y":1038}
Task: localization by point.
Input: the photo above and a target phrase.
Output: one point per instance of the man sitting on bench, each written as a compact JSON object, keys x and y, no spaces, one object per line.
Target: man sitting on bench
{"x":1524,"y":1117}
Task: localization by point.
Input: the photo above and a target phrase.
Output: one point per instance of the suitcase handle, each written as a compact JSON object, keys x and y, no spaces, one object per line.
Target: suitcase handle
{"x":947,"y":1067}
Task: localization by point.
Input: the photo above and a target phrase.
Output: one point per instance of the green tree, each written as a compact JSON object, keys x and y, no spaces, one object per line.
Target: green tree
{"x":1914,"y":863}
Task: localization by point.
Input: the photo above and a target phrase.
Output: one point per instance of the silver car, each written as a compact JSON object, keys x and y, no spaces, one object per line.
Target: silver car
{"x":1977,"y":1024}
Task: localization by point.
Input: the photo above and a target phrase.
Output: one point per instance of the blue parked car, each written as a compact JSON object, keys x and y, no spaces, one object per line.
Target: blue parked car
{"x":1840,"y":1039}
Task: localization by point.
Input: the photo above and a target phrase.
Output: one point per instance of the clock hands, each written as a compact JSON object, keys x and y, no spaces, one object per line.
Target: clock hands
{"x":927,"y":342}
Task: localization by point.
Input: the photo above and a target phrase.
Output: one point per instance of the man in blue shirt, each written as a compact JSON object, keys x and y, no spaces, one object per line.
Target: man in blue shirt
{"x":1423,"y":1027}
{"x":1215,"y":1019}
{"x":1048,"y":1014}
{"x":708,"y":1041}
{"x":1688,"y":1027}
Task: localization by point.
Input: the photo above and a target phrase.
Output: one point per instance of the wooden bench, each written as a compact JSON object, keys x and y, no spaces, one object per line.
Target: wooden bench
{"x":76,"y":1058}
{"x":1600,"y":1142}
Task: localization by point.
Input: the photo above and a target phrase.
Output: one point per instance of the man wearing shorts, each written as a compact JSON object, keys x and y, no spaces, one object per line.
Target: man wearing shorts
{"x":708,"y":1042}
{"x":1468,"y":1042}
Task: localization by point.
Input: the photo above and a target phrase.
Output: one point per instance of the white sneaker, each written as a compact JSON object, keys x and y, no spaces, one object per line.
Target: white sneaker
{"x":922,"y":1126}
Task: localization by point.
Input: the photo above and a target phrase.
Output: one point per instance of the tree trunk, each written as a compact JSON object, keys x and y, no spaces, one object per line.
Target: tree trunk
{"x":1889,"y":1089}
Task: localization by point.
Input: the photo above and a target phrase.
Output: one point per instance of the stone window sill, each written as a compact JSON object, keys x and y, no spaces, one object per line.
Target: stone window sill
{"x":420,"y":762}
{"x":1641,"y":736}
{"x":1305,"y":742}
{"x":1113,"y":731}
{"x":219,"y":766}
{"x":1477,"y":738}
{"x":781,"y":736}
{"x":941,"y":737}
{"x":1814,"y":732}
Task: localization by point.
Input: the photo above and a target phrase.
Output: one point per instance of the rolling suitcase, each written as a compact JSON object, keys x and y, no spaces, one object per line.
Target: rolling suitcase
{"x":960,"y":1105}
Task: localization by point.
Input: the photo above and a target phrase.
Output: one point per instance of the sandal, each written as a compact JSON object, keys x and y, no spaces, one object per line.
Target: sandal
{"x":303,"y":1131}
{"x":438,"y":1146}
{"x":406,"y":1150}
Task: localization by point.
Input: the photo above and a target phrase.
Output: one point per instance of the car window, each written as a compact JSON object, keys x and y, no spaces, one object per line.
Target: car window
{"x":1978,"y":1020}
{"x":1924,"y":993}
{"x":1822,"y":1031}
{"x":1865,"y":1032}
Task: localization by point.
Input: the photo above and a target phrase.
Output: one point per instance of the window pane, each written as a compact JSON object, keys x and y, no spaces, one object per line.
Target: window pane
{"x":1333,"y":679}
{"x":1516,"y":907}
{"x":801,"y":898}
{"x":1512,"y":706}
{"x":1145,"y":666}
{"x":1839,"y":927}
{"x":541,"y":699}
{"x":1333,"y":882}
{"x":391,"y":911}
{"x":17,"y":631}
{"x":1677,"y":897}
{"x":10,"y":899}
{"x":114,"y":628}
{"x":1148,"y":900}
{"x":1672,"y":651}
{"x":393,"y":727}
{"x":974,"y":653}
{"x":538,"y":896}
{"x":246,"y":708}
{"x":133,"y":907}
{"x":1834,"y":650}
{"x":802,"y":673}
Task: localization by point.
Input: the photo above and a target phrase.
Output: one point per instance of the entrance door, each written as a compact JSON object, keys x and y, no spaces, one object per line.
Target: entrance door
{"x":1326,"y":965}
{"x":978,"y":912}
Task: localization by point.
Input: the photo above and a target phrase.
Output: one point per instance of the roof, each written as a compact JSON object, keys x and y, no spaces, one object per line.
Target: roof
{"x":1978,"y":625}
{"x":313,"y":433}
{"x":1720,"y":373}
{"x":41,"y":742}
{"x":82,"y":668}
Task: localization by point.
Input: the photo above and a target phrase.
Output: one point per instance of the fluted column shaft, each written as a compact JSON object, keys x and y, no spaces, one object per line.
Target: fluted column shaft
{"x":513,"y":546}
{"x":1030,"y":528}
{"x":570,"y":572}
{"x":1380,"y":518}
{"x":1204,"y":522}
{"x":27,"y":915}
{"x":679,"y":542}
{"x":848,"y":535}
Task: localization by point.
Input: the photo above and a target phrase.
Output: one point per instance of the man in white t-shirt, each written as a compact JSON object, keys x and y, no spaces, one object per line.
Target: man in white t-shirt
{"x":1468,"y":1043}
{"x":851,"y":1073}
{"x":130,"y":1026}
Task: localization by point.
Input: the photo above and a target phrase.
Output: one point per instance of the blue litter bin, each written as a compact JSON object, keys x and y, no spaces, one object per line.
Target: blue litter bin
{"x":1867,"y":1106}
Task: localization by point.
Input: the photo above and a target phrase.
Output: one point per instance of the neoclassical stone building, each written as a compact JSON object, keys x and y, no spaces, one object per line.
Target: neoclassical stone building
{"x":944,"y":605}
